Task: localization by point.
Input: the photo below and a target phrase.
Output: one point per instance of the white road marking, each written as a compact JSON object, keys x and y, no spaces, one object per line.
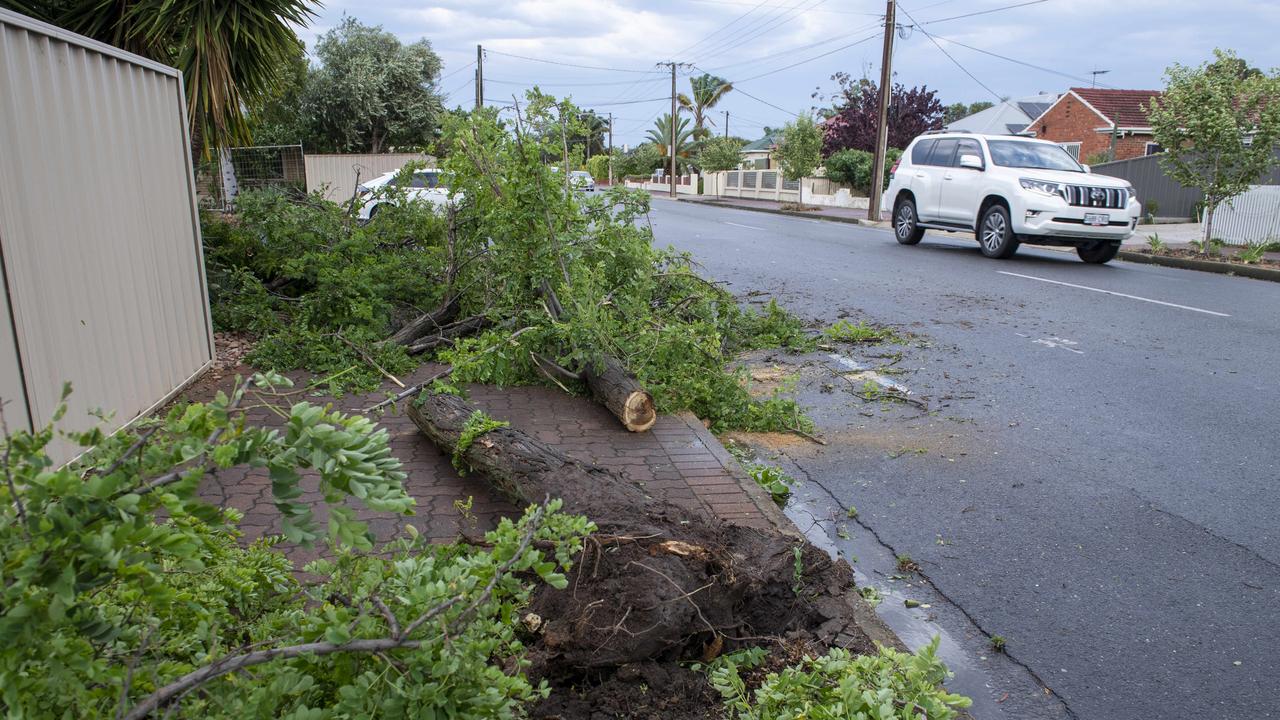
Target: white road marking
{"x":1117,"y":294}
{"x":871,"y":375}
{"x":749,"y":227}
{"x":1057,"y":342}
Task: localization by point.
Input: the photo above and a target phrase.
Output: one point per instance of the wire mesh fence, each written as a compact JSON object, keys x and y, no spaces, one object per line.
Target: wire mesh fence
{"x":251,"y":168}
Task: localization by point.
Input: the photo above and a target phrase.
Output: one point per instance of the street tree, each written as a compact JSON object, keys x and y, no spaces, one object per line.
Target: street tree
{"x":660,"y":135}
{"x":852,"y":123}
{"x":800,"y":150}
{"x":231,"y":54}
{"x":1219,"y":126}
{"x":371,"y":92}
{"x":719,"y":153}
{"x":956,"y":111}
{"x":706,"y":91}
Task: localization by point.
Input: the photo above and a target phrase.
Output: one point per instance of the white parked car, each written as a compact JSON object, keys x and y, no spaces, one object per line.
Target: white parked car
{"x":1008,"y":190}
{"x":582,"y":180}
{"x":423,"y":186}
{"x":579,"y":179}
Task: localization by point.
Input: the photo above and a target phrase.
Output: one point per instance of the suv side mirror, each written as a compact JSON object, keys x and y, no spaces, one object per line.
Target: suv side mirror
{"x":1086,"y":168}
{"x":973,"y":162}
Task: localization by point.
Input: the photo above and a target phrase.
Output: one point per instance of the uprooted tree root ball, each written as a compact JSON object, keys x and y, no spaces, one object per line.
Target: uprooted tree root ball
{"x":658,"y":581}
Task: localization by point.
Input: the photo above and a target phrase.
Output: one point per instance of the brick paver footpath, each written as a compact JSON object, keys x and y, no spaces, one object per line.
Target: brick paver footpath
{"x":678,"y":459}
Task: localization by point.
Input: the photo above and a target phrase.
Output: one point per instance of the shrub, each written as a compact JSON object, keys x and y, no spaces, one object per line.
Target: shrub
{"x":853,"y":167}
{"x":888,"y":685}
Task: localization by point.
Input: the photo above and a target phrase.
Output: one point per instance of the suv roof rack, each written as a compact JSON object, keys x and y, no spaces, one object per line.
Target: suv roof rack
{"x":948,"y":132}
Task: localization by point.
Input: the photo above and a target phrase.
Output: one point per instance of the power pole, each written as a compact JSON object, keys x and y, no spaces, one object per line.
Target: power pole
{"x":726,"y":123}
{"x":479,"y":77}
{"x":610,"y":149}
{"x":882,"y":129}
{"x":673,"y":127}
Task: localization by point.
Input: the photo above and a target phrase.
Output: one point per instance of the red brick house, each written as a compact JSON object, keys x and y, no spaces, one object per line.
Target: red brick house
{"x":1089,"y":121}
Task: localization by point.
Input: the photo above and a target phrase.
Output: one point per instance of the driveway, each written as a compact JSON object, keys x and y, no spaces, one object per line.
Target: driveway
{"x":1098,"y":478}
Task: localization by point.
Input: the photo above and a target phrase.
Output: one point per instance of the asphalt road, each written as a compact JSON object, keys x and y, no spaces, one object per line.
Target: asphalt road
{"x":1100,"y":483}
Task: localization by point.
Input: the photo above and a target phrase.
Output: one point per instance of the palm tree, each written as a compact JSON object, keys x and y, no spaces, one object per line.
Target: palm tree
{"x":707,"y":90}
{"x":230,"y":53}
{"x":660,"y":135}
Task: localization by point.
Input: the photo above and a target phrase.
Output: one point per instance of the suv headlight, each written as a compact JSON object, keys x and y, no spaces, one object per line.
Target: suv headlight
{"x":1044,"y":187}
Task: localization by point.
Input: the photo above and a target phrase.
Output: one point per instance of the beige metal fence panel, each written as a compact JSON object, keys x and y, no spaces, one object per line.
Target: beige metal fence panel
{"x":335,"y":175}
{"x":98,"y":227}
{"x":1253,"y":217}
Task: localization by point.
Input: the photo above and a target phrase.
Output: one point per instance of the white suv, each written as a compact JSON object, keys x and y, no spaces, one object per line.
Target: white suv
{"x":1008,"y":190}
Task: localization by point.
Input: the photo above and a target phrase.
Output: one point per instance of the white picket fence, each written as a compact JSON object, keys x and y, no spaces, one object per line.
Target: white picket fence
{"x":1253,"y":217}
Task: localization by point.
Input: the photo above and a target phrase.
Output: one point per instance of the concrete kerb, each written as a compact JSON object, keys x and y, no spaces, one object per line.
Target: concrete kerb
{"x":1222,"y":268}
{"x":778,"y":211}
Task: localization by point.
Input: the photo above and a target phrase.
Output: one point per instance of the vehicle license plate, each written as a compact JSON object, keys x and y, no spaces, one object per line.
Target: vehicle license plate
{"x":1096,"y":219}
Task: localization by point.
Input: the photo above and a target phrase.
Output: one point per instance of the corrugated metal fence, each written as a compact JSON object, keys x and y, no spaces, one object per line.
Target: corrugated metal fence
{"x":1253,"y":217}
{"x":1173,"y":200}
{"x":102,"y":267}
{"x":335,"y":175}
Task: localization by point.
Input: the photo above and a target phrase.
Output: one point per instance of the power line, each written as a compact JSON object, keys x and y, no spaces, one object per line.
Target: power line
{"x":775,"y":14}
{"x":792,"y":51}
{"x":558,"y":84}
{"x":455,"y":72}
{"x":836,"y":12}
{"x":982,"y":12}
{"x":780,"y":21}
{"x":575,"y":65}
{"x":1019,"y":62}
{"x":720,"y":29}
{"x":953,"y":60}
{"x":808,"y":60}
{"x":766,"y":102}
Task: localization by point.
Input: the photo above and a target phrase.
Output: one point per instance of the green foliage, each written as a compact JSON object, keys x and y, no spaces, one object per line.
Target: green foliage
{"x":1155,"y":243}
{"x":853,"y":167}
{"x":773,"y":479}
{"x":998,"y":643}
{"x":799,"y":148}
{"x":889,"y":685}
{"x":598,"y":166}
{"x":719,"y":153}
{"x":1218,"y":127}
{"x":871,"y":595}
{"x":314,"y":286}
{"x":371,"y":93}
{"x":640,"y":162}
{"x":118,"y":579}
{"x":1253,"y":253}
{"x":659,"y":136}
{"x":477,"y":424}
{"x":860,"y":332}
{"x":706,"y":91}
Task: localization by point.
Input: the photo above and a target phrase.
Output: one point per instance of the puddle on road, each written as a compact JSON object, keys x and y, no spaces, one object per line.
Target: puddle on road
{"x":813,"y":517}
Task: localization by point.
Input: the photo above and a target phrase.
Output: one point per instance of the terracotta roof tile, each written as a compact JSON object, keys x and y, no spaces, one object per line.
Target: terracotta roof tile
{"x":1123,"y":107}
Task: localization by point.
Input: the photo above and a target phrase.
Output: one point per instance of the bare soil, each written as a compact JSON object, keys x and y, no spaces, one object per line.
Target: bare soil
{"x":1227,"y":255}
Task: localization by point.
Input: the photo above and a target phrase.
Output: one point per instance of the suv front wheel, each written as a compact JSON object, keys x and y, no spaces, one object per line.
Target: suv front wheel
{"x":906,"y":226}
{"x":995,"y":233}
{"x":1099,"y":252}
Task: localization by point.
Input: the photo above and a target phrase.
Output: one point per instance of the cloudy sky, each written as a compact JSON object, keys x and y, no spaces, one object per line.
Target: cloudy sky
{"x":778,"y":52}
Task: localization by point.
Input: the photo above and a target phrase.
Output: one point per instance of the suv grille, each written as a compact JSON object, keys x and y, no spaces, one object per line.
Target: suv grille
{"x":1098,"y":197}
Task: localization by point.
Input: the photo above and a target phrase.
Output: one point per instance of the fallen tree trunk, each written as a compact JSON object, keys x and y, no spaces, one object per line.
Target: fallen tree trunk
{"x":449,"y":333}
{"x":613,"y":386}
{"x":617,"y":389}
{"x":427,"y":322}
{"x":658,"y":581}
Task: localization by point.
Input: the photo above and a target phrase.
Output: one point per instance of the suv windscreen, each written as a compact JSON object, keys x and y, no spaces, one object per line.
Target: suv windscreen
{"x":1037,"y":156}
{"x":944,"y":152}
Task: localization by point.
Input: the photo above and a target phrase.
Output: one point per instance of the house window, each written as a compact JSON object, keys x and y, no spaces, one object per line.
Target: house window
{"x":1073,"y":149}
{"x":1153,"y":149}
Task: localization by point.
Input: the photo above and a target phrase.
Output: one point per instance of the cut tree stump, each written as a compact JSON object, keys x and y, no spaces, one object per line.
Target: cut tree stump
{"x":657,"y":581}
{"x":617,"y":389}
